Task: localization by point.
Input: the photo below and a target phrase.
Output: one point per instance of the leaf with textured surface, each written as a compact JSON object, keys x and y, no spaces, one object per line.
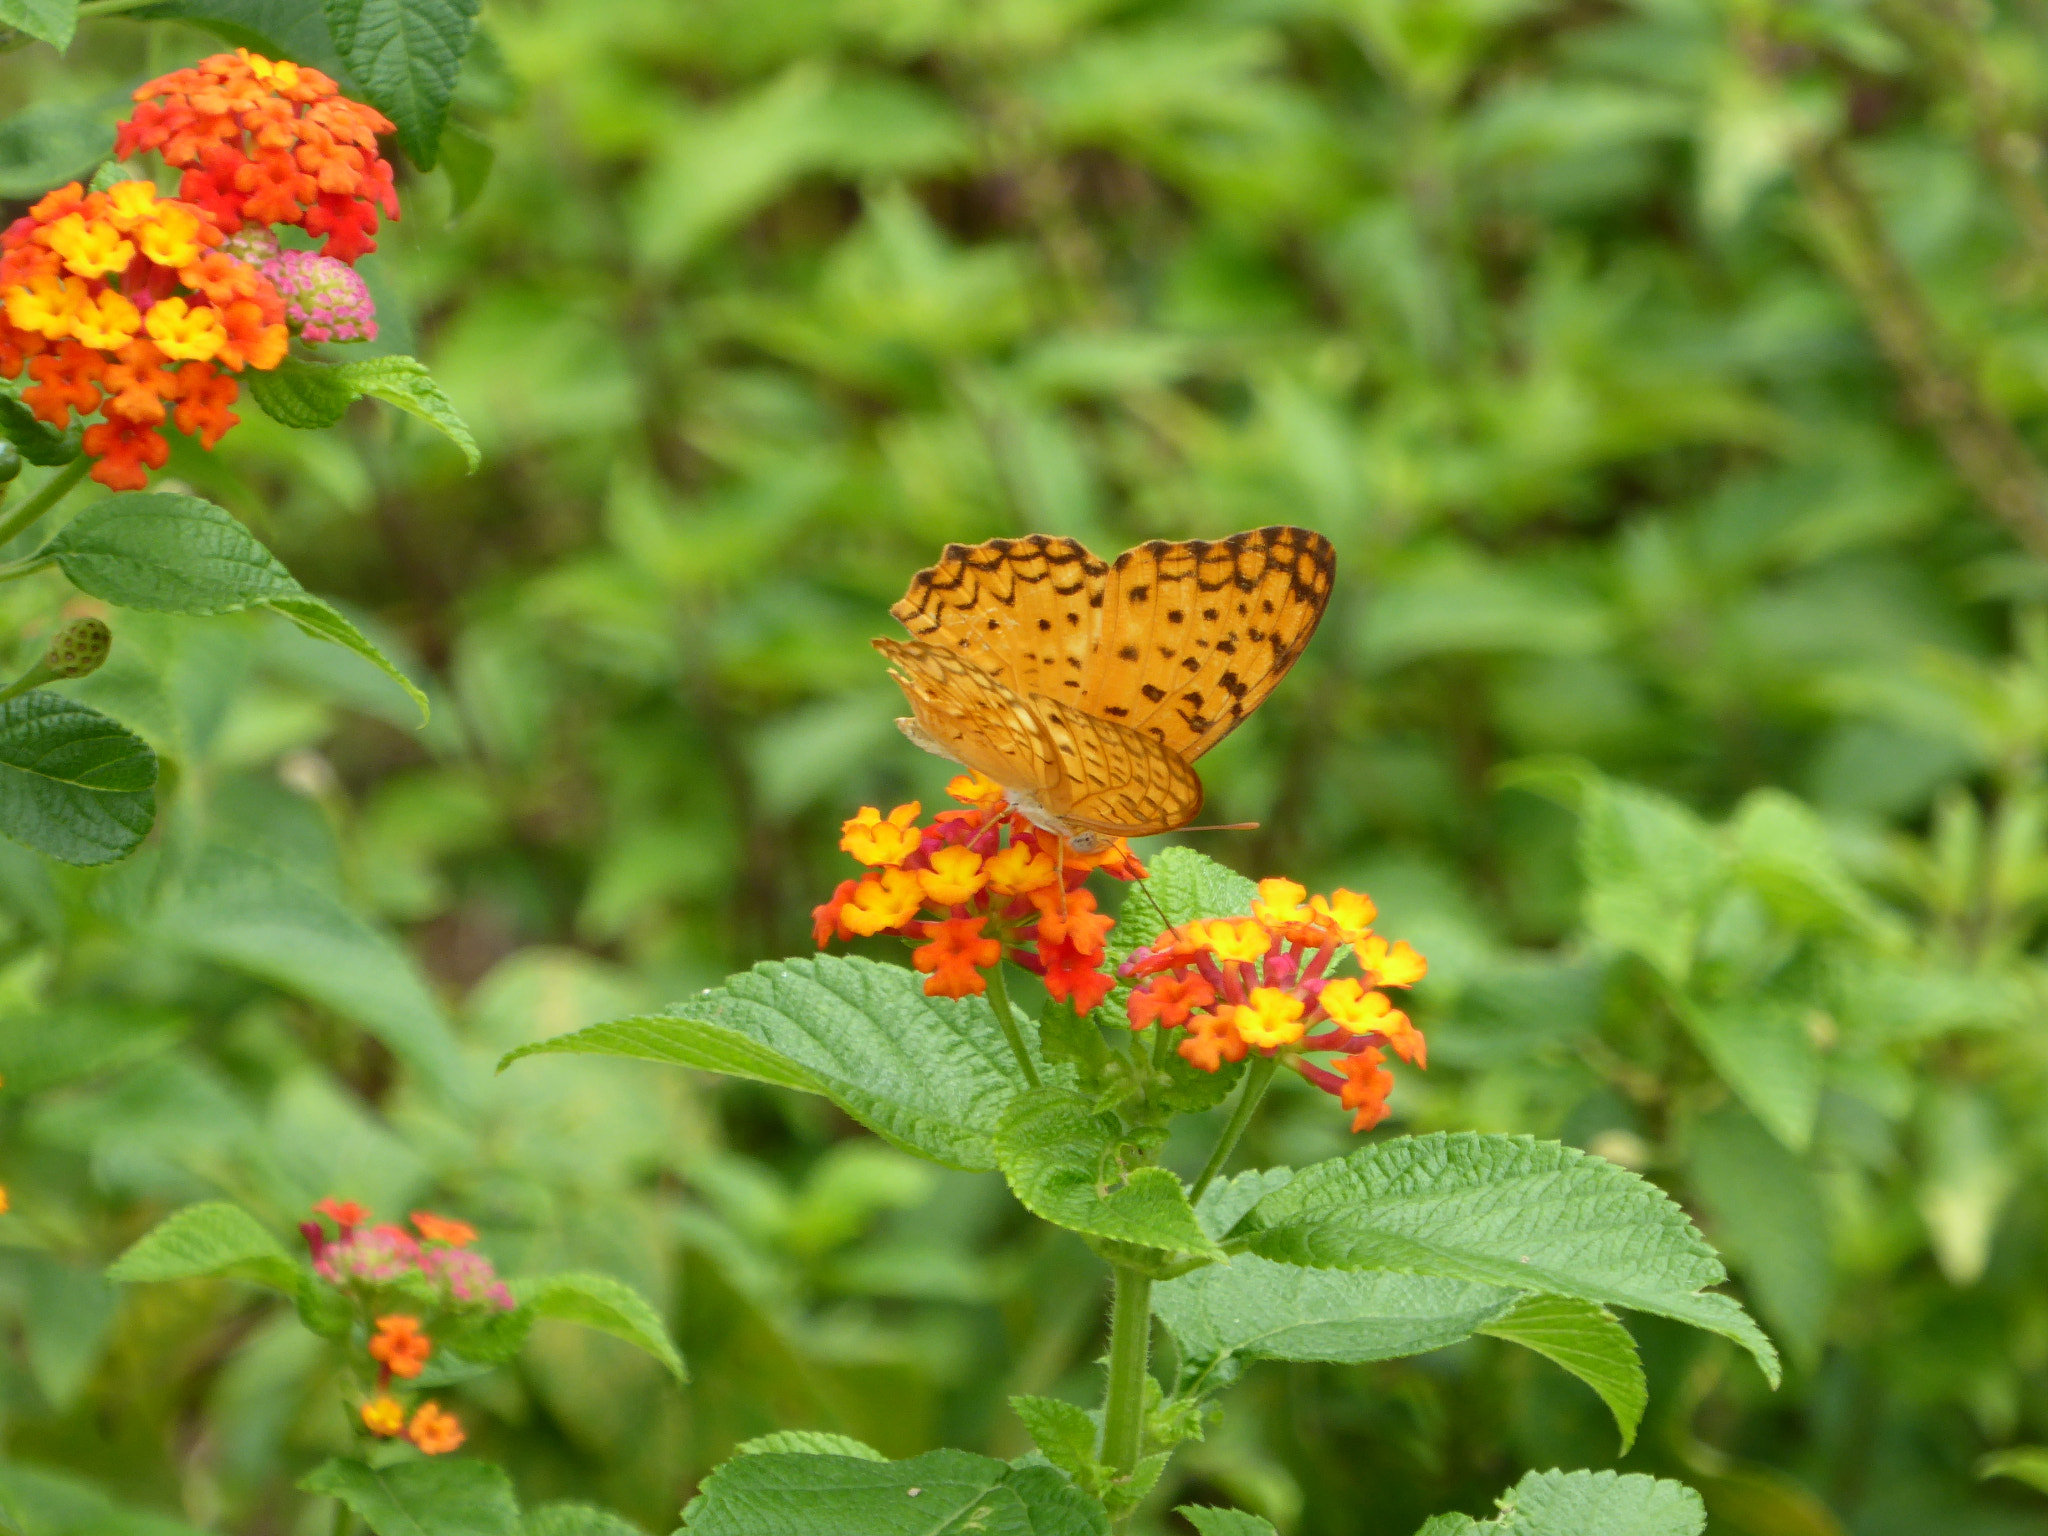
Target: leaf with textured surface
{"x":1063,"y":1431}
{"x":1587,"y":1340}
{"x":49,"y":21}
{"x":438,"y":1497}
{"x":1508,"y":1211}
{"x":576,"y":1520}
{"x":1059,"y":1156}
{"x":54,"y":142}
{"x":599,"y":1301}
{"x":407,"y":56}
{"x":1600,"y":1504}
{"x":1262,"y":1310}
{"x":808,"y":1442}
{"x":242,"y":911}
{"x":214,"y":1239}
{"x":942,"y":1493}
{"x":73,"y":784}
{"x":311,"y":395}
{"x":933,"y":1075}
{"x":165,"y":553}
{"x":1224,"y":1522}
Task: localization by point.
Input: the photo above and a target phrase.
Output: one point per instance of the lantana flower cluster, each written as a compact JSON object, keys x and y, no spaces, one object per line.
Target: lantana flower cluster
{"x":1263,"y":983}
{"x":975,"y":885}
{"x":265,"y":142}
{"x":118,"y":304}
{"x":393,"y":1276}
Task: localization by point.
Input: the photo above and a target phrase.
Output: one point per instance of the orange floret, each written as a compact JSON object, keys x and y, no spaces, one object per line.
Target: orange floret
{"x":443,"y":1229}
{"x":399,"y":1346}
{"x":433,"y":1431}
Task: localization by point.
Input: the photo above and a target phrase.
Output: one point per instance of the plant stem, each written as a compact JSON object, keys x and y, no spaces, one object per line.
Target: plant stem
{"x":91,"y":8}
{"x":1130,"y":1343}
{"x":999,"y":1000}
{"x":1258,"y":1076}
{"x":53,"y":491}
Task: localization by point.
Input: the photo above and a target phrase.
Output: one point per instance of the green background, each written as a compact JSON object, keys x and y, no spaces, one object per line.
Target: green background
{"x":1665,"y":373}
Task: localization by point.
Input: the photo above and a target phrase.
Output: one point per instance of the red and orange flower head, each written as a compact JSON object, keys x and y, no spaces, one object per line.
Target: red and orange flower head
{"x":1263,"y":982}
{"x":264,"y":142}
{"x":993,"y":884}
{"x":117,"y":305}
{"x":399,"y":1346}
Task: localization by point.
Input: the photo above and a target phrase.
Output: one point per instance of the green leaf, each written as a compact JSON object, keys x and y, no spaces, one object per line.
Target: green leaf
{"x":1508,"y":1211}
{"x":1768,"y":1212}
{"x":39,"y":442}
{"x":941,"y":1493}
{"x":1262,"y":1310}
{"x":438,"y":1496}
{"x":166,"y":553}
{"x":1599,"y":1504}
{"x":808,"y":1442}
{"x":1224,"y":1522}
{"x":277,"y":29}
{"x":2024,"y":1463}
{"x":310,"y":395}
{"x":214,"y":1239}
{"x":53,"y":142}
{"x":467,"y":158}
{"x":243,"y":911}
{"x":931,"y":1075}
{"x":599,"y":1301}
{"x":1762,"y":1048}
{"x":1064,"y":1161}
{"x":407,"y":56}
{"x":1063,"y":1431}
{"x":576,"y":1520}
{"x":73,"y":784}
{"x":1588,"y":1341}
{"x":49,"y":21}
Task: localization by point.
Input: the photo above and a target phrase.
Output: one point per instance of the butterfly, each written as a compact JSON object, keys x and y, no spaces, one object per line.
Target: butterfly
{"x":1086,"y":688}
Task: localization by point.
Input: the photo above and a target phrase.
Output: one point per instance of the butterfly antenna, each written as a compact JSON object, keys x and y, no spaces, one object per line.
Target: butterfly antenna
{"x":1223,"y":826}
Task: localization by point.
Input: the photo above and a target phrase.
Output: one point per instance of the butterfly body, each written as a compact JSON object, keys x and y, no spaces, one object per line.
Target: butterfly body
{"x":1086,"y":688}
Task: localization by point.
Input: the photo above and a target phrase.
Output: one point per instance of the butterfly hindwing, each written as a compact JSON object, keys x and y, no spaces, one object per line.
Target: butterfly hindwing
{"x":974,"y":717}
{"x":1196,"y":634}
{"x":1115,"y":780}
{"x":1025,"y":609}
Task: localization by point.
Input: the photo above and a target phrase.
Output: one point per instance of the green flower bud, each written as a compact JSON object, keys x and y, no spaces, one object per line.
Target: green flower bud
{"x":78,"y":648}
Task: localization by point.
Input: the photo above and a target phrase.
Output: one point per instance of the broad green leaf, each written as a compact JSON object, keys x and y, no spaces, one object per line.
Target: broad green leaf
{"x":1762,"y":1048}
{"x":406,"y":55}
{"x":40,"y":1502}
{"x":39,"y":442}
{"x":73,"y":784}
{"x":466,"y":158}
{"x":1508,"y":1211}
{"x":1063,"y":1431}
{"x":432,"y":1496}
{"x":576,"y":1520}
{"x":598,"y":1301}
{"x":277,"y":29}
{"x":2024,"y":1463}
{"x":1262,"y":1310}
{"x":310,"y":395}
{"x":243,"y":911}
{"x":214,"y":1239}
{"x":1224,"y":1522}
{"x":1599,"y":1504}
{"x":53,"y":142}
{"x":1785,"y":854}
{"x":1588,"y":1341}
{"x":941,"y":1493}
{"x":930,"y":1074}
{"x":1767,"y":1211}
{"x":50,"y":21}
{"x":1065,"y":1163}
{"x":807,"y":1442}
{"x":166,"y":553}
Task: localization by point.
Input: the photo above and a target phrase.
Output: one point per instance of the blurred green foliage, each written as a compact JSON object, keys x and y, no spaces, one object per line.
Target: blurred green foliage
{"x":1665,"y":372}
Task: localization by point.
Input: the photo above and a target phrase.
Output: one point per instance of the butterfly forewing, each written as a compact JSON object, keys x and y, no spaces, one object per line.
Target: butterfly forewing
{"x":1195,"y":635}
{"x":1025,"y":609}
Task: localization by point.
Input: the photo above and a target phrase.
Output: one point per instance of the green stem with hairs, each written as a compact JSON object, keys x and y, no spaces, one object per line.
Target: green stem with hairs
{"x":1257,"y":1078}
{"x":999,"y":1001}
{"x":54,"y":490}
{"x":1130,"y":1345}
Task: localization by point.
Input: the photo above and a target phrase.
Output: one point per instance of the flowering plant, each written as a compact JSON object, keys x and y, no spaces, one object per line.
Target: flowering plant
{"x":1199,"y":985}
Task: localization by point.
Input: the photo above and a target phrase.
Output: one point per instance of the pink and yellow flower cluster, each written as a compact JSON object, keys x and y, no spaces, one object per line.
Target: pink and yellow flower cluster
{"x":1263,"y":983}
{"x":993,"y":884}
{"x":118,"y":304}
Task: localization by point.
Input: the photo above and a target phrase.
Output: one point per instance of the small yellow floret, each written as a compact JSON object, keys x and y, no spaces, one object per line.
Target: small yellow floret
{"x":90,"y":247}
{"x":1270,"y":1018}
{"x":1346,"y":911}
{"x":1019,"y":868}
{"x":130,"y":202}
{"x":48,"y":306}
{"x":108,"y":325}
{"x":887,"y":899}
{"x":1280,"y":901}
{"x":875,"y":841}
{"x":956,"y":875}
{"x":1398,"y":965}
{"x":171,"y":238}
{"x":1235,"y":938}
{"x":384,"y":1416}
{"x":185,"y":333}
